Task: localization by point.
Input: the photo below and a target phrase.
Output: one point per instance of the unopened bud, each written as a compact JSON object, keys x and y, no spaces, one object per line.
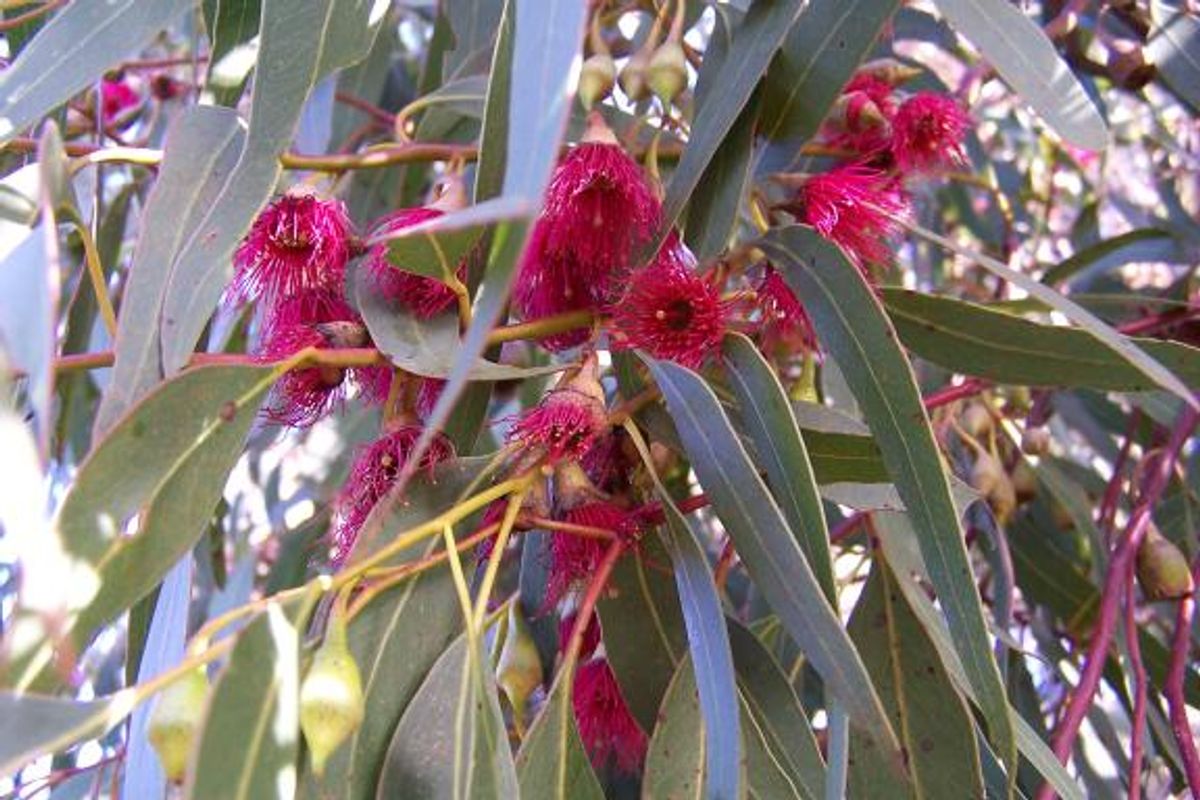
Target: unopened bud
{"x":989,"y":478}
{"x":172,"y":726}
{"x":519,"y":671}
{"x":977,"y":420}
{"x":1035,"y":441}
{"x":633,"y":78}
{"x":1162,"y":569}
{"x":889,"y":70}
{"x":667,"y":71}
{"x":331,"y":696}
{"x":596,"y":79}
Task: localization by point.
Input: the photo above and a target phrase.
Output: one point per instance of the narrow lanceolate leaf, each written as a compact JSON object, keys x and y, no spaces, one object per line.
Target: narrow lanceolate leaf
{"x":545,"y":40}
{"x":167,"y":459}
{"x":644,"y":605}
{"x":754,"y":44}
{"x":903,"y":553}
{"x":231,"y":25}
{"x":79,"y":43}
{"x":299,"y":44}
{"x":202,"y":146}
{"x":32,"y":725}
{"x":1026,"y":59}
{"x":931,"y":717}
{"x":552,"y":764}
{"x":427,"y":347}
{"x":1174,"y":48}
{"x":782,"y":755}
{"x":711,"y":659}
{"x":675,"y":756}
{"x":395,"y":640}
{"x":767,"y":414}
{"x":976,"y":340}
{"x":250,"y":737}
{"x":1104,"y":333}
{"x":768,"y":548}
{"x":451,"y":741}
{"x":852,"y":325}
{"x":1143,"y":244}
{"x":821,"y":52}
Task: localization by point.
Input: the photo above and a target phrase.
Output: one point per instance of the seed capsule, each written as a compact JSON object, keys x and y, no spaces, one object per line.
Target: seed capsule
{"x":174,"y":721}
{"x":667,"y":71}
{"x":331,"y":697}
{"x":1162,"y":570}
{"x":633,"y":77}
{"x":596,"y":79}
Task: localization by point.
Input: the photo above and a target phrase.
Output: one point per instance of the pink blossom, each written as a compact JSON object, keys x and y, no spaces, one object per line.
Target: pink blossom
{"x":424,"y":297}
{"x":609,"y":732}
{"x":785,"y":323}
{"x":853,"y":206}
{"x":928,"y":132}
{"x":574,"y":558}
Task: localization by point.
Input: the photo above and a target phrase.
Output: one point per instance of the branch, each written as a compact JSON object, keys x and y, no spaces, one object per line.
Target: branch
{"x":1173,"y":688}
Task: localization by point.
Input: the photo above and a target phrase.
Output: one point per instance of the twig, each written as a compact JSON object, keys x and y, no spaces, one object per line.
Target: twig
{"x":1137,"y":735}
{"x":1173,"y":686}
{"x":1111,"y":596}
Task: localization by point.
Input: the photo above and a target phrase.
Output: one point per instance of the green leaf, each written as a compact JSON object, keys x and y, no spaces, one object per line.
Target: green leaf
{"x":711,"y":659}
{"x":851,"y":323}
{"x":783,"y":758}
{"x":675,"y":756}
{"x":1072,"y":311}
{"x":934,"y":723}
{"x":251,"y":734}
{"x":1143,"y":244}
{"x":434,"y":249}
{"x":820,"y":54}
{"x":202,"y":146}
{"x":32,"y":725}
{"x":770,"y":551}
{"x":754,"y":43}
{"x":643,"y":605}
{"x":474,"y":24}
{"x":299,"y":44}
{"x":552,"y":762}
{"x":1174,"y":48}
{"x":545,"y":40}
{"x":427,"y":347}
{"x":1026,"y":59}
{"x":80,"y":42}
{"x":976,"y":340}
{"x":168,"y":459}
{"x":231,"y":25}
{"x":451,"y":741}
{"x":767,"y":414}
{"x":395,"y":640}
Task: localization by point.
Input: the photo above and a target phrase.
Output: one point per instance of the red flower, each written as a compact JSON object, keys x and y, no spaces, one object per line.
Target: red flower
{"x":591,"y":635}
{"x":599,"y":207}
{"x":297,"y":243}
{"x":116,"y":97}
{"x":425,"y":297}
{"x":785,"y":323}
{"x":319,"y":319}
{"x":568,"y":419}
{"x":853,"y":206}
{"x":372,"y":476}
{"x":607,"y":729}
{"x":928,"y":132}
{"x":574,"y":558}
{"x":862,"y":121}
{"x":670,"y":311}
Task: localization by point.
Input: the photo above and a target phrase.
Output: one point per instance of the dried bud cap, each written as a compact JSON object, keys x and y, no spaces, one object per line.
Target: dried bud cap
{"x":666,"y":73}
{"x":573,"y":488}
{"x":1162,"y":569}
{"x":889,"y":70}
{"x":596,"y":79}
{"x":519,"y":671}
{"x":331,"y":697}
{"x":598,"y":131}
{"x":977,"y":420}
{"x":173,"y":723}
{"x":1035,"y":441}
{"x":633,"y":77}
{"x":856,"y":111}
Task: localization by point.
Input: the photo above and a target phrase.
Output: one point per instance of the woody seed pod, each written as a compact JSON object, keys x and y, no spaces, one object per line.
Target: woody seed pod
{"x":1162,"y":570}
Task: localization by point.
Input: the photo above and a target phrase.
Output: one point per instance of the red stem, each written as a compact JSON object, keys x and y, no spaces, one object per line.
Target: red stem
{"x":1113,"y":593}
{"x":1112,"y":492}
{"x":1137,"y":736}
{"x":948,"y":394}
{"x":1173,"y":688}
{"x":587,"y":606}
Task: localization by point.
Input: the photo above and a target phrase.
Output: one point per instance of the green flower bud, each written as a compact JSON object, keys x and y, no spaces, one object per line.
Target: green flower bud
{"x":633,"y":77}
{"x":1162,"y":569}
{"x":667,"y":71}
{"x":331,"y":697}
{"x":596,"y":79}
{"x":519,"y":671}
{"x":172,"y":726}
